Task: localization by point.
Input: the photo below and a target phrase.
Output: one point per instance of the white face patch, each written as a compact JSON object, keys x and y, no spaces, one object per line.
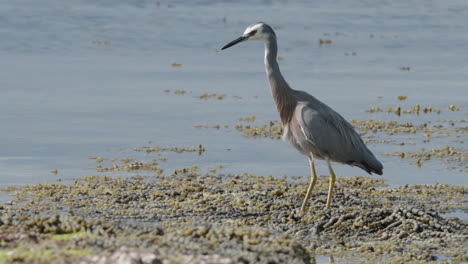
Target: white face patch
{"x":252,"y":28}
{"x":255,"y":32}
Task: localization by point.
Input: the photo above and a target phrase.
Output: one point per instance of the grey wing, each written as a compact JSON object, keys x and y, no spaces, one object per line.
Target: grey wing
{"x":331,"y":137}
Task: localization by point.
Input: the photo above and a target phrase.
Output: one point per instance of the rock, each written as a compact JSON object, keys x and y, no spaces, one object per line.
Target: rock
{"x":126,"y":255}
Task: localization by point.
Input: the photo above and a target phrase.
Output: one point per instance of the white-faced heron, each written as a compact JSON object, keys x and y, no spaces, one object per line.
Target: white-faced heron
{"x":311,"y":126}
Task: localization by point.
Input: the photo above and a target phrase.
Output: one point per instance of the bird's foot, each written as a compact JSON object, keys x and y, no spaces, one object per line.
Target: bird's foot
{"x":297,"y":213}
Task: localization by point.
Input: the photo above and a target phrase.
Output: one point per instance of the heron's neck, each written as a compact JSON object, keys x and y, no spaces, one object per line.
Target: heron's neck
{"x":280,"y":90}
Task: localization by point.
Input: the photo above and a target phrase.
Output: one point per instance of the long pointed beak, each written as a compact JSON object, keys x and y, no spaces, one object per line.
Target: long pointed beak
{"x":234,"y":42}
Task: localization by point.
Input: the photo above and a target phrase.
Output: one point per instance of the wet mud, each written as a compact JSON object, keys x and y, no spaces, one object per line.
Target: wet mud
{"x":243,"y":218}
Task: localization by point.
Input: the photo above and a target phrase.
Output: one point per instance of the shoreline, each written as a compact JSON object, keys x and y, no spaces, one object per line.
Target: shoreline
{"x":231,"y":218}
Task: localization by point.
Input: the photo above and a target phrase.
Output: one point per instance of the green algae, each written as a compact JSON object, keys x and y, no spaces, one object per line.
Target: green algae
{"x":450,"y":155}
{"x":248,"y":118}
{"x":27,"y":255}
{"x":416,"y":109}
{"x":206,"y":96}
{"x":393,"y":127}
{"x":155,"y":148}
{"x":324,"y":41}
{"x":367,"y":128}
{"x":73,"y":235}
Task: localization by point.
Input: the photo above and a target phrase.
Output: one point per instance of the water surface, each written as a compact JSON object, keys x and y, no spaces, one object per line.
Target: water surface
{"x":87,"y":78}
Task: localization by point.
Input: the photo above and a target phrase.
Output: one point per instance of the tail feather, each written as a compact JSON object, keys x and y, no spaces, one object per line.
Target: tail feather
{"x":376,"y":167}
{"x":370,"y":164}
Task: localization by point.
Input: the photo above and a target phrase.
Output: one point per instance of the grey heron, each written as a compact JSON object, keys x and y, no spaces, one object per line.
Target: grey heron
{"x":311,"y":126}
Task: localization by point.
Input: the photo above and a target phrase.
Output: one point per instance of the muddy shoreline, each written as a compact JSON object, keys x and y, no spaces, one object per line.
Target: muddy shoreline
{"x":240,"y":218}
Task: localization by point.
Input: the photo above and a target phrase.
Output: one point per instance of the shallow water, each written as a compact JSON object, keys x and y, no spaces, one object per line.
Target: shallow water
{"x":67,"y":95}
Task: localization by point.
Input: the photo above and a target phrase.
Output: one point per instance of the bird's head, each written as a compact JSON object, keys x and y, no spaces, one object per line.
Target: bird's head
{"x":258,"y":31}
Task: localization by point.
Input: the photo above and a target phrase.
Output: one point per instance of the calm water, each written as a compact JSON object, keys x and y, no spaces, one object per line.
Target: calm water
{"x":87,"y":78}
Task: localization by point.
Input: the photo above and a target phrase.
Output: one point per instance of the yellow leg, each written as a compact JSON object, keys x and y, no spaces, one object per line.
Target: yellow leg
{"x":330,"y":186}
{"x":313,"y":180}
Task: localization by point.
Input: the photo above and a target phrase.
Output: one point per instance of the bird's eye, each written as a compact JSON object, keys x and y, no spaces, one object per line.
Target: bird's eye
{"x":251,"y":33}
